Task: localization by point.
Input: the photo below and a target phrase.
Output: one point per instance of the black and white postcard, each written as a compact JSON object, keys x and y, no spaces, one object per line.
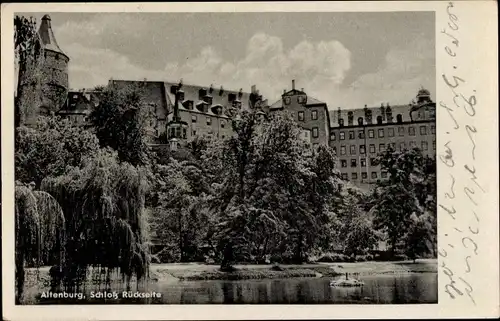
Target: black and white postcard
{"x":249,"y":160}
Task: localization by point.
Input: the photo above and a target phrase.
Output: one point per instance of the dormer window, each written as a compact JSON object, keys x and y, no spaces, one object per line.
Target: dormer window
{"x":287,"y":100}
{"x":399,"y":118}
{"x":231,"y":97}
{"x":341,"y":122}
{"x":360,"y":121}
{"x":208,"y":99}
{"x":379,"y":120}
{"x":188,"y":104}
{"x":237,"y":104}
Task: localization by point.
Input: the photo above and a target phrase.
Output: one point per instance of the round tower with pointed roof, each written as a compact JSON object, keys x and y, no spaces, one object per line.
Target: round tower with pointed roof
{"x":54,"y":71}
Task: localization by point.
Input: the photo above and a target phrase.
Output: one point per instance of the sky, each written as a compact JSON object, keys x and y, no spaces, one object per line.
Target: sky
{"x":345,"y":59}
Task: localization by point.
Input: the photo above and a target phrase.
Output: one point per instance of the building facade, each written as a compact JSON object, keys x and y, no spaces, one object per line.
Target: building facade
{"x":357,"y":136}
{"x":309,"y":113}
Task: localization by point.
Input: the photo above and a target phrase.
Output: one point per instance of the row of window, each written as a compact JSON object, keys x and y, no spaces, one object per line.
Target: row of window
{"x":314,"y":115}
{"x":364,"y":175}
{"x":194,"y":132}
{"x":381,"y":132}
{"x":194,"y":119}
{"x":382,"y":147}
{"x":354,"y":162}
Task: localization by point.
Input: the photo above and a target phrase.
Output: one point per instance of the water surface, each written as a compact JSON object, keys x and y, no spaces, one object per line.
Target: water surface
{"x":378,"y":289}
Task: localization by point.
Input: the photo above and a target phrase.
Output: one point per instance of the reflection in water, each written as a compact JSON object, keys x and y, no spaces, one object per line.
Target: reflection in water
{"x":379,"y":289}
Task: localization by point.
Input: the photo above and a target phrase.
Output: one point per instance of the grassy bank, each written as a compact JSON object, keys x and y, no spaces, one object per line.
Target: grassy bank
{"x":194,"y":271}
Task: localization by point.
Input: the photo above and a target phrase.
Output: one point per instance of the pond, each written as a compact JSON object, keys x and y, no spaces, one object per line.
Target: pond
{"x":378,"y":289}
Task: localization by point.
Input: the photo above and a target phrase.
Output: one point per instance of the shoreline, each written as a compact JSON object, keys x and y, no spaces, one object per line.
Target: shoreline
{"x":196,"y":271}
{"x":174,"y":272}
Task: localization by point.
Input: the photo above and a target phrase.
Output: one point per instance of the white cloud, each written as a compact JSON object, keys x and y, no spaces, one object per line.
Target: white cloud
{"x":269,"y":66}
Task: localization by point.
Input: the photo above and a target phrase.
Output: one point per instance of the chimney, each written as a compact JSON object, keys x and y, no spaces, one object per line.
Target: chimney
{"x":284,"y":91}
{"x":254,"y":89}
{"x":302,"y":89}
{"x":293,"y":84}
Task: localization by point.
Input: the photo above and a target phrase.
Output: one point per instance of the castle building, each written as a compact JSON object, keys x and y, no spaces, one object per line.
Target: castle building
{"x":183,"y":111}
{"x":357,"y":136}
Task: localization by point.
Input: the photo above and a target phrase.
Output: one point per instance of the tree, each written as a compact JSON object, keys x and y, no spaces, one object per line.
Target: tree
{"x":409,"y":190}
{"x":28,"y":51}
{"x":120,"y":123}
{"x":355,"y":230}
{"x":49,"y":148}
{"x":419,"y":237}
{"x":106,"y":227}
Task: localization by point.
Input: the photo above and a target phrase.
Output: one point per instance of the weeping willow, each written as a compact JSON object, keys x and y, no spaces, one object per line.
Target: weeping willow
{"x":27,"y":235}
{"x":103,"y":203}
{"x":52,"y":229}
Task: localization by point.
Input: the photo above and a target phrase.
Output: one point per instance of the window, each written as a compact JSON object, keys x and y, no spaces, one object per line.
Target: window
{"x":433,"y":129}
{"x":413,"y":144}
{"x":344,"y":176}
{"x":362,"y":149}
{"x":314,"y":116}
{"x":342,"y":136}
{"x":342,"y":150}
{"x":399,"y":118}
{"x":434,"y":145}
{"x":361,"y":134}
{"x":360,"y":121}
{"x":180,"y":95}
{"x":301,"y":116}
{"x":353,"y":162}
{"x":364,"y":175}
{"x":411,"y":131}
{"x":315,"y":132}
{"x":354,"y":175}
{"x":371,"y":134}
{"x":381,"y":133}
{"x":379,"y":120}
{"x":184,"y":133}
{"x":222,"y":123}
{"x":353,"y":150}
{"x":390,"y":132}
{"x":372,"y":149}
{"x":401,"y":131}
{"x":384,"y":174}
{"x":423,"y":130}
{"x":343,"y":163}
{"x":373,"y":162}
{"x":402,"y":147}
{"x":193,"y":132}
{"x":374,"y":175}
{"x":419,"y":115}
{"x":333,"y":136}
{"x":351,"y":134}
{"x":223,"y":136}
{"x":424,"y":145}
{"x":381,"y":148}
{"x":209,"y":121}
{"x":193,"y":118}
{"x":363,"y":162}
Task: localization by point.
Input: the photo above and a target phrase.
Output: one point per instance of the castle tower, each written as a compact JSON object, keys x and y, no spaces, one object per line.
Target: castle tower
{"x":176,"y":128}
{"x":54,"y":78}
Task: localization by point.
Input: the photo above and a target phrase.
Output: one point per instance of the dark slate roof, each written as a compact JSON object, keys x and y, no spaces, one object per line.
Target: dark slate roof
{"x":47,"y":36}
